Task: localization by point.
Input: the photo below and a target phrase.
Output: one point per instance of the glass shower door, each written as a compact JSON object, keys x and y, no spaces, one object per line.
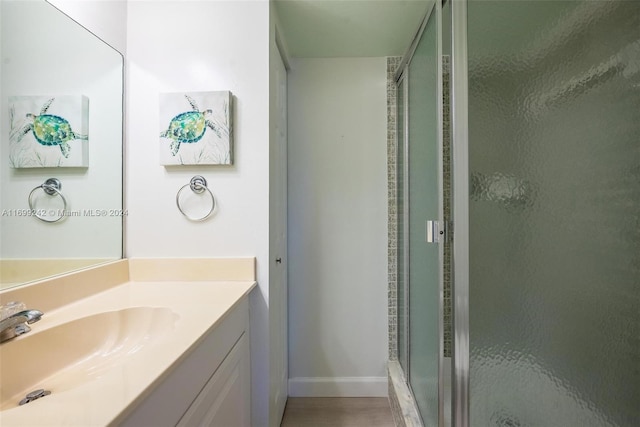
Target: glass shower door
{"x":425,"y":203}
{"x":554,"y":212}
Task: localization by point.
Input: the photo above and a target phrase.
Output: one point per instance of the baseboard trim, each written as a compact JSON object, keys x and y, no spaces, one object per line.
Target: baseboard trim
{"x":338,"y":387}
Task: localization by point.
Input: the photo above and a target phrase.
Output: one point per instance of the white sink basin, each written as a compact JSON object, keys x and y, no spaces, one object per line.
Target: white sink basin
{"x":73,"y":353}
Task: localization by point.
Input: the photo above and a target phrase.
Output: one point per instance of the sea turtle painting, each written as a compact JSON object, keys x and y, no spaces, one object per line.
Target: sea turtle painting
{"x":189,"y":127}
{"x":50,"y":130}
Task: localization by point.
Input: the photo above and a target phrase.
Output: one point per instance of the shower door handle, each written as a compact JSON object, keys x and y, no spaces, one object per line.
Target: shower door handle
{"x":435,"y":231}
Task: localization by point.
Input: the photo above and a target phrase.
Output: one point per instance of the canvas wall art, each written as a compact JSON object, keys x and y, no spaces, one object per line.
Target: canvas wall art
{"x":49,"y":131}
{"x":196,"y":129}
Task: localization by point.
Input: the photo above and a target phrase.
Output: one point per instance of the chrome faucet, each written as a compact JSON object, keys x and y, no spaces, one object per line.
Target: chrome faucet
{"x":16,"y":324}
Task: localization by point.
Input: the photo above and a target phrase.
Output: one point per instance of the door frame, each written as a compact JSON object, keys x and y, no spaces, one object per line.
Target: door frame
{"x":460,"y":168}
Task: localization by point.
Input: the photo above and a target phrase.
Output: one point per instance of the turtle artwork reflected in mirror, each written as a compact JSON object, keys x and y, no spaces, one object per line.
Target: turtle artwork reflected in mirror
{"x":189,"y":127}
{"x":50,"y":130}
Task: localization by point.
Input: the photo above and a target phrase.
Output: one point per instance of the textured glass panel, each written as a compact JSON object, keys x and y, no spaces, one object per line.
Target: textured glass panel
{"x":401,"y":222}
{"x":554,"y":145}
{"x":424,"y":275}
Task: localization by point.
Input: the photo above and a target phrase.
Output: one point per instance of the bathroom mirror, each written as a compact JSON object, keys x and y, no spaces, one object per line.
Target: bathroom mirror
{"x":61,"y":111}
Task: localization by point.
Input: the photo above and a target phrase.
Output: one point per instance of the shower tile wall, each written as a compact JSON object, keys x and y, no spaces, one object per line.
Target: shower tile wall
{"x":392,"y":64}
{"x":447,"y":196}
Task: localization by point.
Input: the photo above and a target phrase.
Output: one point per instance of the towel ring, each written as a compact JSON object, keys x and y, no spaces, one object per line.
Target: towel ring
{"x":51,"y":187}
{"x":198,"y":185}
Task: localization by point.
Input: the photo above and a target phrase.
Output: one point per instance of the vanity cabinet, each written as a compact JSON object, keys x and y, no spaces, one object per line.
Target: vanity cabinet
{"x":224,"y":401}
{"x":209,"y":387}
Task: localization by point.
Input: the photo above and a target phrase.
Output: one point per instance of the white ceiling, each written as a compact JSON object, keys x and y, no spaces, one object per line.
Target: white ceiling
{"x":349,"y":28}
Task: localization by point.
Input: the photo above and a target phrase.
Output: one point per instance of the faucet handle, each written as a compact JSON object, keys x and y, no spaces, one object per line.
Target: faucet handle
{"x":11,"y":308}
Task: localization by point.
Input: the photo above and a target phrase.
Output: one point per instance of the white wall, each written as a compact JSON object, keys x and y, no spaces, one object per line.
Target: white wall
{"x":106,"y":19}
{"x":337,"y":227}
{"x":203,"y":46}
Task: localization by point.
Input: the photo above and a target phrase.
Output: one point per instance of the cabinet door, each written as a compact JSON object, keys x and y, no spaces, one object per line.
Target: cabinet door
{"x":225,"y":399}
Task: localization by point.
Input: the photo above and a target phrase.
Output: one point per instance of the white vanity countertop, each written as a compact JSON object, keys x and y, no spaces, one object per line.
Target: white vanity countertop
{"x":140,"y":350}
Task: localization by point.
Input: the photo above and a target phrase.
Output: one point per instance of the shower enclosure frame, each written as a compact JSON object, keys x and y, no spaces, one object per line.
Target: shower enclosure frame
{"x":402,"y":76}
{"x":460,"y":172}
{"x":611,"y":72}
{"x":461,"y":203}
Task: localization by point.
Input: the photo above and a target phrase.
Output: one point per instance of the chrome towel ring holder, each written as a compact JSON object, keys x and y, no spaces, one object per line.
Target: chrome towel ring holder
{"x":198,"y":185}
{"x":51,"y":187}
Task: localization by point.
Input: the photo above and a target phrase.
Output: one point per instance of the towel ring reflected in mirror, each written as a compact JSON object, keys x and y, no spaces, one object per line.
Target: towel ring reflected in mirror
{"x":51,"y":187}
